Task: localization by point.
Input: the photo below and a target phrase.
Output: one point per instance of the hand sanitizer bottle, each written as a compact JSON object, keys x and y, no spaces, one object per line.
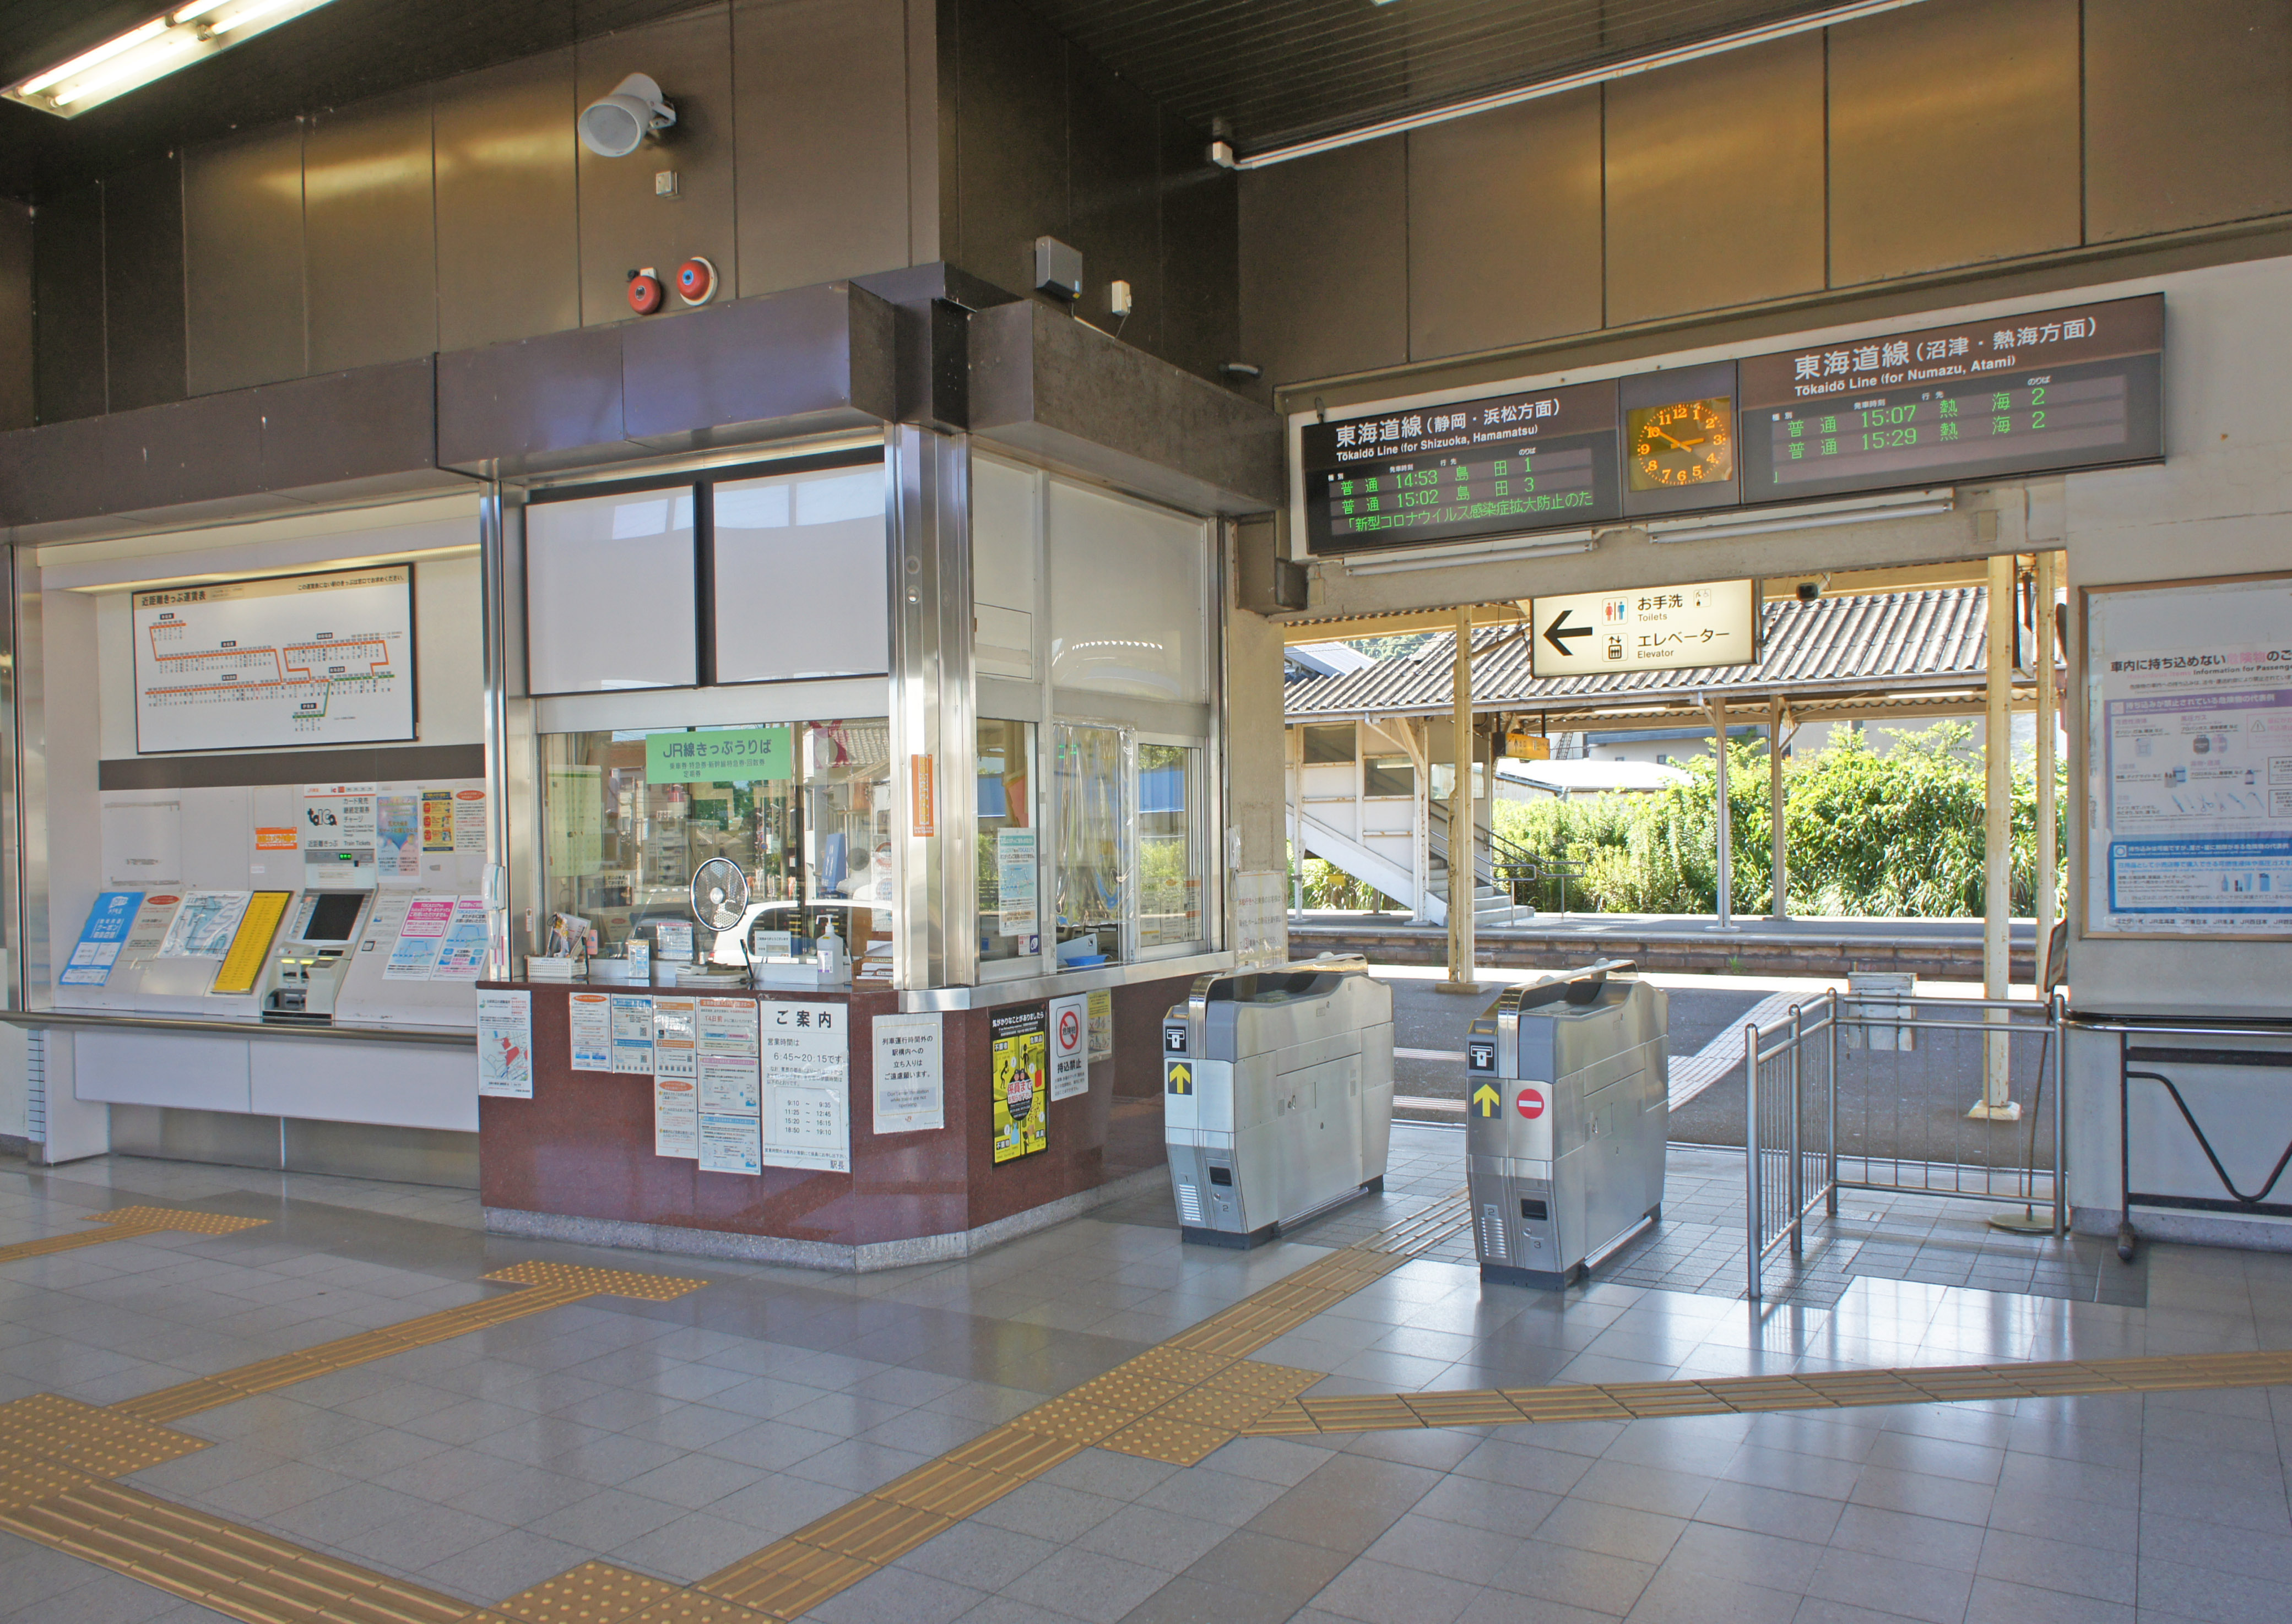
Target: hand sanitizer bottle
{"x":835,"y":962}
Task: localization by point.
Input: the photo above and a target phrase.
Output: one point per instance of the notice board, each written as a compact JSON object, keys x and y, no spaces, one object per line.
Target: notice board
{"x":2187,"y":756}
{"x":316,"y":659}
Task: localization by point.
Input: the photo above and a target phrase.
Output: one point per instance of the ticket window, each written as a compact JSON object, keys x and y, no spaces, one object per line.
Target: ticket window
{"x":1009,"y":849}
{"x":803,"y":807}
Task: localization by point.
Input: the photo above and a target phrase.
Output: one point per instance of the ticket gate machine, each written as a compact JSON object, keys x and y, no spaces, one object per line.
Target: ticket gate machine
{"x":1567,"y":1117}
{"x":1277,"y":1096}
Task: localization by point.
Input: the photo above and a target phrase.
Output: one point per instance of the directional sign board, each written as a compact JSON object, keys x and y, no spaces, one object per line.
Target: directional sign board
{"x":1668,"y":628}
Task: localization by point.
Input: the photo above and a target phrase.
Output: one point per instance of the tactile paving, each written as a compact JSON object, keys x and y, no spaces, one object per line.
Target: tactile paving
{"x":1175,"y":1443}
{"x":97,"y":1442}
{"x":599,"y":1282}
{"x":594,"y":1593}
{"x":184,"y":1221}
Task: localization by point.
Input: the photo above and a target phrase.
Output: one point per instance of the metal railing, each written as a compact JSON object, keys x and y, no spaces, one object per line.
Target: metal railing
{"x":1790,"y":1128}
{"x":1896,"y":1093}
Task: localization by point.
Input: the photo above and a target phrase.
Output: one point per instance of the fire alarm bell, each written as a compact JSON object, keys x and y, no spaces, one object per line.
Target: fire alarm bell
{"x":696,"y":281}
{"x":644,"y":291}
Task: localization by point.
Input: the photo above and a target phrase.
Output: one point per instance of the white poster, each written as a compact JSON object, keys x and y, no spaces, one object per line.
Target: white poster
{"x":2189,"y":703}
{"x":729,"y":1072}
{"x":316,"y":659}
{"x":470,"y":820}
{"x":910,"y":1092}
{"x":505,"y":1044}
{"x":731,"y":1143}
{"x":807,"y":1086}
{"x":589,"y":1028}
{"x":143,"y":842}
{"x":632,"y":1033}
{"x":1069,"y":1046}
{"x":1261,"y":919}
{"x":419,"y":938}
{"x":675,"y":1038}
{"x":338,"y":836}
{"x":461,"y":954}
{"x":1015,"y":869}
{"x":204,"y":926}
{"x":675,"y":1118}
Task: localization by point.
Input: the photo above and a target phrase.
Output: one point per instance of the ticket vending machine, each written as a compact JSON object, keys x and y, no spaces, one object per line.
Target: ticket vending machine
{"x":309,"y":964}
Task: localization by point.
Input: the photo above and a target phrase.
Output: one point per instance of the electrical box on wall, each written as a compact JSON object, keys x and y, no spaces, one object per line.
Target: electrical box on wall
{"x":1058,"y":268}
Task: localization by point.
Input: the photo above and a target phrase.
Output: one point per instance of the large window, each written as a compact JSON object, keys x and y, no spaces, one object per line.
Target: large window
{"x":804,"y":807}
{"x":1169,"y":846}
{"x":1329,"y":742}
{"x":1129,"y":591}
{"x":1093,"y":807}
{"x":1010,"y":858}
{"x":1388,"y":775}
{"x":609,"y":592}
{"x":800,"y":587}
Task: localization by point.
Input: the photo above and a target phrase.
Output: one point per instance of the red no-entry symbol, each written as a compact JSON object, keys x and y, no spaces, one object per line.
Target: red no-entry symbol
{"x":1530,"y":1103}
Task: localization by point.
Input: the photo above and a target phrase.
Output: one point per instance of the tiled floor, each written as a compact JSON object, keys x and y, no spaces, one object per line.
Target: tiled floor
{"x":673,"y":1438}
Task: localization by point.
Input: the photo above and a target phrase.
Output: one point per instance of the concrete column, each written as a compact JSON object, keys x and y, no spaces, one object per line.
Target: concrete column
{"x":1779,"y":908}
{"x":1998,"y":803}
{"x":1460,"y":814}
{"x":2049,"y":901}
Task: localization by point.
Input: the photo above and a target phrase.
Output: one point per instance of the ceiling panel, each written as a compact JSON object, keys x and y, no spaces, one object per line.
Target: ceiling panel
{"x":1275,"y":71}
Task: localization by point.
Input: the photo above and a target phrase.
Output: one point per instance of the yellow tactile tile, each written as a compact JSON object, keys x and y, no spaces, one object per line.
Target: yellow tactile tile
{"x":599,"y":1282}
{"x":181,"y":1220}
{"x":949,"y":1488}
{"x":594,"y":1593}
{"x":788,"y":1579}
{"x":697,"y":1607}
{"x":1175,"y":1443}
{"x":99,"y":1442}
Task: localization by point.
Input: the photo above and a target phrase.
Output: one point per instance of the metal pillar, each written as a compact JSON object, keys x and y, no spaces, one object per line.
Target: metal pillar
{"x":1997,"y":1104}
{"x":2049,"y":901}
{"x":1718,"y":708}
{"x":1777,"y":714}
{"x":1460,"y":816}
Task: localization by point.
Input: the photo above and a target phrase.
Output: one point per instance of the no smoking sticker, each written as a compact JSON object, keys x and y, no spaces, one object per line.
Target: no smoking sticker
{"x":1530,"y":1103}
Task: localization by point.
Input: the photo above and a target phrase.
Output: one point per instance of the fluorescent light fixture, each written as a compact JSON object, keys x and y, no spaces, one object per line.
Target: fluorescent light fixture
{"x":1565,"y":83}
{"x":173,"y":39}
{"x":1812,"y":516}
{"x":1502,"y":550}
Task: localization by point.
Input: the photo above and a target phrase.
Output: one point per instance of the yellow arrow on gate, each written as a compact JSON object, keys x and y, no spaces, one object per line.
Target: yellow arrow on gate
{"x":1488,"y":1099}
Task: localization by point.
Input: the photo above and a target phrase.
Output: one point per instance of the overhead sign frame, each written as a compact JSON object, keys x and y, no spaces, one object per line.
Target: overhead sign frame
{"x":1713,"y":624}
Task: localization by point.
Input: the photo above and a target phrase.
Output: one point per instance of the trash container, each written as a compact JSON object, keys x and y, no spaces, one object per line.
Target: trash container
{"x":1277,"y":1096}
{"x":1567,"y":1115}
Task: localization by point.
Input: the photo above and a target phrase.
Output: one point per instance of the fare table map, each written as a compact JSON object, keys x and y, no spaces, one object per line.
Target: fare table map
{"x":316,"y":659}
{"x":2038,"y":392}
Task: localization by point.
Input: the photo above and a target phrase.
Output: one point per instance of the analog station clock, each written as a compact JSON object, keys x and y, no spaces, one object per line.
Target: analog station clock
{"x":1685,"y":443}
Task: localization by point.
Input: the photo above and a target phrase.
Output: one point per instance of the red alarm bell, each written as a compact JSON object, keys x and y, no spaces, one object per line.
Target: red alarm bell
{"x":696,"y":281}
{"x":645,"y":293}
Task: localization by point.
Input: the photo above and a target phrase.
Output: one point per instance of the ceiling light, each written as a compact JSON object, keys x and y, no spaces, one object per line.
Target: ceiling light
{"x":173,"y":39}
{"x":1806,"y":515}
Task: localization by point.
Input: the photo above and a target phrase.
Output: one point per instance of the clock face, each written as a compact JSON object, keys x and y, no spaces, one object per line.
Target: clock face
{"x":1691,"y":442}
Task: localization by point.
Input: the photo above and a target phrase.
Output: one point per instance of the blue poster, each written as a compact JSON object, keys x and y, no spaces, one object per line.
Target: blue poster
{"x":100,"y":939}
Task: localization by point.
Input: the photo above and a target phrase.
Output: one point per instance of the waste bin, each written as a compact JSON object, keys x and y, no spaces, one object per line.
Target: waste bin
{"x":1277,"y":1096}
{"x":1566,"y":1114}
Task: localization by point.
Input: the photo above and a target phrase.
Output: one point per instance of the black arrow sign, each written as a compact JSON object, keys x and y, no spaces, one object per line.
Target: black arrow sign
{"x":1559,"y":628}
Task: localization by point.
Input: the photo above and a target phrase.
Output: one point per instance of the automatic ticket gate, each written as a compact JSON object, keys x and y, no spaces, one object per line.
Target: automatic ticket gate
{"x":1568,"y":1111}
{"x":1277,"y":1096}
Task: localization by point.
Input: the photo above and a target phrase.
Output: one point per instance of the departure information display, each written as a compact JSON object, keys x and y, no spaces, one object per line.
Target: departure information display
{"x":2077,"y":388}
{"x":2050,"y":392}
{"x":1495,"y":467}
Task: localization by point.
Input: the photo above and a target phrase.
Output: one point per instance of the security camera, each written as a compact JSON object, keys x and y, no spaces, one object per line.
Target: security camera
{"x":617,"y":126}
{"x":1808,"y":590}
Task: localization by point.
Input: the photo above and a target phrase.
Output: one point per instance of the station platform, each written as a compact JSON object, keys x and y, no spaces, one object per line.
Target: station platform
{"x":230,"y":1394}
{"x":1934,"y":949}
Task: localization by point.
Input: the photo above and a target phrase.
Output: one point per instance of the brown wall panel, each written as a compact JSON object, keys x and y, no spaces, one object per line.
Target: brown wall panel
{"x":1503,"y":226}
{"x":509,"y":255}
{"x":1326,"y":292}
{"x":821,"y":93}
{"x":1714,"y":181}
{"x":67,"y":289}
{"x":369,"y":222}
{"x":243,"y":259}
{"x":143,"y":284}
{"x":624,"y":227}
{"x":15,"y":314}
{"x":1201,"y":253}
{"x":1113,"y":177}
{"x":1011,"y":120}
{"x":2188,"y":113}
{"x":1954,"y":136}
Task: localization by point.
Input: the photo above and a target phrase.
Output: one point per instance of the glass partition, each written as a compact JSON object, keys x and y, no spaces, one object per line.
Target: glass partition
{"x":804,"y":807}
{"x":800,"y":580}
{"x":1094,"y":822}
{"x":609,"y":592}
{"x":1169,"y":846}
{"x":1010,"y":858}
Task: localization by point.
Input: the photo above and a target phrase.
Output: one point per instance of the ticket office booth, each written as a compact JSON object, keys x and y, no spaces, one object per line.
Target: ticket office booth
{"x":257,"y":838}
{"x":954,"y":711}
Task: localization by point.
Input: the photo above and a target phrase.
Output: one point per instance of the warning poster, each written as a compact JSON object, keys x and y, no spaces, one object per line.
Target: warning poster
{"x":1022,"y":1103}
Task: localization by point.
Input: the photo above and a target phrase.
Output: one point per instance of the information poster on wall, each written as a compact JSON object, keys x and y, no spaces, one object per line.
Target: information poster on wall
{"x":204,"y":926}
{"x":436,"y":820}
{"x":338,"y":836}
{"x":1016,"y":870}
{"x":470,"y":821}
{"x":505,"y":1044}
{"x":633,"y":1034}
{"x":807,"y":1086}
{"x":398,"y":836}
{"x":462,"y":953}
{"x":2189,"y":704}
{"x":589,"y":1031}
{"x":1102,"y":1024}
{"x":1020,"y":1072}
{"x":316,"y":659}
{"x":1069,"y":1046}
{"x":675,"y":1118}
{"x":414,"y":953}
{"x":676,"y":1037}
{"x":1261,"y":919}
{"x":101,"y":938}
{"x":910,"y":1086}
{"x":731,"y":1098}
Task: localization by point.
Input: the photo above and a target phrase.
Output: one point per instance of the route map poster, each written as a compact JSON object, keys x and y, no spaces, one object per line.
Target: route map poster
{"x":318,"y":659}
{"x":2189,"y":760}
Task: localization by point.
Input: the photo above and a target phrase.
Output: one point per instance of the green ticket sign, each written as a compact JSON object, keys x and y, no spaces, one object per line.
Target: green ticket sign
{"x":718,"y":755}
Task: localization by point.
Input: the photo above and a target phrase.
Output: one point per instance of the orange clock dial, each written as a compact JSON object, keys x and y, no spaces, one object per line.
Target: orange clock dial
{"x":1690,"y":442}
